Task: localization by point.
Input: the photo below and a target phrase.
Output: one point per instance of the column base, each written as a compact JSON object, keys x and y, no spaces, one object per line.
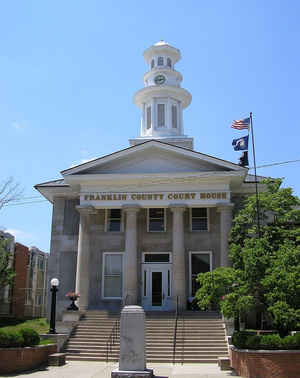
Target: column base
{"x":148,"y":373}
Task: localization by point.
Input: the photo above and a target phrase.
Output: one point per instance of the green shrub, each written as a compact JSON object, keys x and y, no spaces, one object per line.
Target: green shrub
{"x":239,"y":339}
{"x":270,"y":342}
{"x":246,"y":340}
{"x":253,"y":342}
{"x":11,"y":339}
{"x":289,"y":342}
{"x":31,"y":337}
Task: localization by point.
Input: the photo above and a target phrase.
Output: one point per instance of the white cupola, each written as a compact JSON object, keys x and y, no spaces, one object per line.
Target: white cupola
{"x":162,"y":100}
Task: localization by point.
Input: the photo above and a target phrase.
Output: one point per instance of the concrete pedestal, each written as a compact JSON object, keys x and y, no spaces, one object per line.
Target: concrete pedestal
{"x":132,"y":344}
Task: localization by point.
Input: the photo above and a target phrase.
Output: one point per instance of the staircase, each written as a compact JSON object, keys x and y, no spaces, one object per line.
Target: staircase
{"x":200,"y":337}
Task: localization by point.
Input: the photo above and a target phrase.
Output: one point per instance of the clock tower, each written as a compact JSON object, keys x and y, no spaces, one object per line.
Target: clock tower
{"x":162,"y":100}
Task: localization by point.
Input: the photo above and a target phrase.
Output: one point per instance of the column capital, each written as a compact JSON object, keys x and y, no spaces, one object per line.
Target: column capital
{"x":131,"y":208}
{"x":225,"y":207}
{"x":86,"y":210}
{"x":177,"y":208}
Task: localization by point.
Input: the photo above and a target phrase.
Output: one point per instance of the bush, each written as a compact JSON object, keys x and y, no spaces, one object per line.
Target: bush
{"x":246,"y":340}
{"x":18,"y":338}
{"x":270,"y":342}
{"x":31,"y":337}
{"x":253,"y":342}
{"x":11,"y":339}
{"x":239,"y":339}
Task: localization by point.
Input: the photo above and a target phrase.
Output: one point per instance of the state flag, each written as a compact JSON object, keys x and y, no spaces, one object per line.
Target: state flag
{"x":240,"y":144}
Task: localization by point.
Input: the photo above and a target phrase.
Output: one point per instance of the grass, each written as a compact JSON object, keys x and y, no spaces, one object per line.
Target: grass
{"x":46,"y":342}
{"x":39,"y":324}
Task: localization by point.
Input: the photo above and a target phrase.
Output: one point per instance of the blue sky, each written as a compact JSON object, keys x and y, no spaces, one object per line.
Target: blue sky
{"x":69,"y":70}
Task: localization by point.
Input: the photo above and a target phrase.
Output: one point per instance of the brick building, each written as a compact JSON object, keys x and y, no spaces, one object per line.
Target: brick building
{"x":27,"y":296}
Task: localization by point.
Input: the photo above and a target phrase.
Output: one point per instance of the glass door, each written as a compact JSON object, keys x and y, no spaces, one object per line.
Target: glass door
{"x":156,"y":287}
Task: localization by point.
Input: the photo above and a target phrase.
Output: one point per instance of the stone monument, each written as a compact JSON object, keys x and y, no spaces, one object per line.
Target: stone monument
{"x":132,"y":362}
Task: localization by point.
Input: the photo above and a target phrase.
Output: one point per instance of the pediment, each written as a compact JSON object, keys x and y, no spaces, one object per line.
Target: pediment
{"x":153,"y":157}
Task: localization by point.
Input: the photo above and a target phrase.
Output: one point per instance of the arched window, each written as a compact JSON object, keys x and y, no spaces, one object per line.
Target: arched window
{"x":152,"y":63}
{"x":169,"y":62}
{"x":160,"y":61}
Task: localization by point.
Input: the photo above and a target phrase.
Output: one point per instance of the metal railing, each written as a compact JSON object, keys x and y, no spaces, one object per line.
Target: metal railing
{"x":175,"y":330}
{"x":115,"y":332}
{"x":179,"y":316}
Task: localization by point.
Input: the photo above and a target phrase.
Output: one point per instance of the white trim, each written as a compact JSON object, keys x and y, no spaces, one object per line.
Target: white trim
{"x":165,"y":218}
{"x":153,"y":253}
{"x":160,"y":145}
{"x":102,"y":280}
{"x":208,"y":218}
{"x":190,"y":266}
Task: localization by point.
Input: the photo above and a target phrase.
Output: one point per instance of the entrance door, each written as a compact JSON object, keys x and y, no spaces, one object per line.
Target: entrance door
{"x":156,"y":287}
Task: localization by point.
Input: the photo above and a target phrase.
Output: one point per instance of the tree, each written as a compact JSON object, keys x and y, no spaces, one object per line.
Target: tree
{"x":258,"y":280}
{"x":6,"y":271}
{"x":9,"y":191}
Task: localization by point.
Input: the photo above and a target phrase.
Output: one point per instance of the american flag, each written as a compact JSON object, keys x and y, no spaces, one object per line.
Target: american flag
{"x":241,"y":124}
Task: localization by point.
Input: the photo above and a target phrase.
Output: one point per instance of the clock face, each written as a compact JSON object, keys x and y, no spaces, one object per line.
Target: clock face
{"x":159,"y":79}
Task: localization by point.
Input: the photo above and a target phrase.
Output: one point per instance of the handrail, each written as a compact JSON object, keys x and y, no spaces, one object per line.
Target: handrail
{"x":175,"y":330}
{"x":183,"y":338}
{"x":115,"y":331}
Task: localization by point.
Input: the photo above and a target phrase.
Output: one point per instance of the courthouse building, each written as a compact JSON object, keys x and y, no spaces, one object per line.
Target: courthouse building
{"x":139,"y":224}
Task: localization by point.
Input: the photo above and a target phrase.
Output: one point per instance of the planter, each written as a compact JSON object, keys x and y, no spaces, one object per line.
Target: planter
{"x":265,"y":363}
{"x":20,"y":359}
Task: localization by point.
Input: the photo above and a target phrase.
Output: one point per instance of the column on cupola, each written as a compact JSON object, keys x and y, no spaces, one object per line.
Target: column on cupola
{"x":83,"y":256}
{"x":143,"y":123}
{"x":225,"y":227}
{"x":180,"y":118}
{"x":130,"y":292}
{"x":178,"y":258}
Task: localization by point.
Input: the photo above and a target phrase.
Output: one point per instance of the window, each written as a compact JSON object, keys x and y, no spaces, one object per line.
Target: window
{"x":41,"y":263}
{"x":156,"y":220}
{"x":169,"y":62}
{"x":200,"y":262}
{"x":160,"y":61}
{"x":160,"y":115}
{"x":152,"y":63}
{"x":174,"y":116}
{"x":112,"y":275}
{"x":199,"y":219}
{"x":156,"y":258}
{"x":38,"y":300}
{"x":148,"y":117}
{"x":114,"y":220}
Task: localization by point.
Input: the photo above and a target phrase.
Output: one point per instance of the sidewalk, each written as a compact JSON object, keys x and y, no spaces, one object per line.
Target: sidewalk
{"x":74,"y":369}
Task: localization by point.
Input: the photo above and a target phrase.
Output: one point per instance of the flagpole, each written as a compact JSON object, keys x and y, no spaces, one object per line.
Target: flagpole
{"x":256,"y":188}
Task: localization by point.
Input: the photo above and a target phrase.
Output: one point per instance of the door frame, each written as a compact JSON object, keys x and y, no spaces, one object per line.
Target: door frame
{"x":163,"y":267}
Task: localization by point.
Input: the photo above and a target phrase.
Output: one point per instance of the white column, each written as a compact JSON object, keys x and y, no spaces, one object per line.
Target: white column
{"x":225,"y":227}
{"x":83,"y":257}
{"x":143,"y":121}
{"x":178,"y":258}
{"x":130,"y":292}
{"x":180,"y":118}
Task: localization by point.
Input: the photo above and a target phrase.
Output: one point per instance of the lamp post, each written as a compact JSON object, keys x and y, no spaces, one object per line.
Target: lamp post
{"x":54,"y":284}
